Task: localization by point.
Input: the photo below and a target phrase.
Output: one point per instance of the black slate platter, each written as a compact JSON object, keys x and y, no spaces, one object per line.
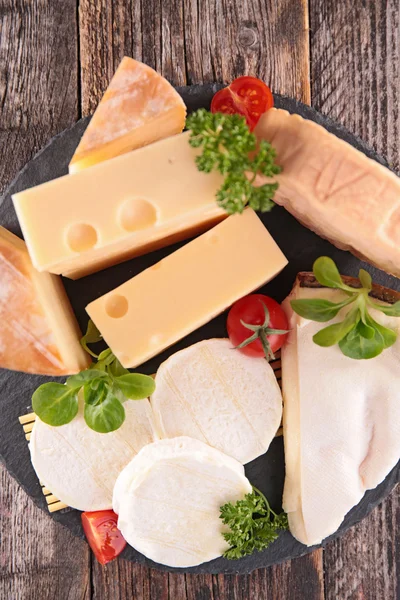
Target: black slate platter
{"x":301,"y":247}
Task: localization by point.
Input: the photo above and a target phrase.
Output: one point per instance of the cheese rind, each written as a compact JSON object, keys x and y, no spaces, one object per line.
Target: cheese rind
{"x":124,"y":207}
{"x":168,"y":500}
{"x":218,"y":395}
{"x":139,"y":107}
{"x":39,"y":332}
{"x":187,"y":288}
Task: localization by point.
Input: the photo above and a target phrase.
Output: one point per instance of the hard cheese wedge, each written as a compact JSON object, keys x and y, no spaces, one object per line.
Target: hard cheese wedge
{"x":244,"y":420}
{"x":341,"y":420}
{"x":168,"y":500}
{"x":139,"y":107}
{"x":39,"y":332}
{"x":334,"y":189}
{"x":187,"y":289}
{"x":128,"y":206}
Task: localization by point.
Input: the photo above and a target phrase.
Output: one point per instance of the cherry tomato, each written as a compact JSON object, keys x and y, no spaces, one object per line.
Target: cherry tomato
{"x":251,"y":310}
{"x":247,"y":96}
{"x":103,"y":535}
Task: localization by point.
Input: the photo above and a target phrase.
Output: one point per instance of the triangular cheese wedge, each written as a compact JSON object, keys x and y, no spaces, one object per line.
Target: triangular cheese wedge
{"x":139,"y":107}
{"x":341,"y":419}
{"x":38,"y":333}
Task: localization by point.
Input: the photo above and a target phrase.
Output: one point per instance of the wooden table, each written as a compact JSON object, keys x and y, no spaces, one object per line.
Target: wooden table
{"x":56,"y":58}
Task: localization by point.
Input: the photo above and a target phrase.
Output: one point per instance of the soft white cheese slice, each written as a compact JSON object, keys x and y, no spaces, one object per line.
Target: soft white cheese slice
{"x":341,"y":423}
{"x":79,"y":465}
{"x":216,"y":394}
{"x":168,"y":500}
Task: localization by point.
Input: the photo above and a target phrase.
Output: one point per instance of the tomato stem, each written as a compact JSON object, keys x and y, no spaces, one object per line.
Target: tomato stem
{"x":261,"y":332}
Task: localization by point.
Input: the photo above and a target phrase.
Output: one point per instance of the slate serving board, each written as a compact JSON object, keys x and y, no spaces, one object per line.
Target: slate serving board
{"x":301,"y":247}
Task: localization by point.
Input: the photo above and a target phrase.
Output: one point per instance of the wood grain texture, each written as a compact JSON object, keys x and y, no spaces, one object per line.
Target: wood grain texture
{"x":355,"y":68}
{"x":196,"y":41}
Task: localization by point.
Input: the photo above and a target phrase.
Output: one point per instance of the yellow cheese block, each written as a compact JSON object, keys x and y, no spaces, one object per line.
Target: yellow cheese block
{"x":38,"y":333}
{"x":138,"y":107}
{"x":164,"y":303}
{"x":124,"y":207}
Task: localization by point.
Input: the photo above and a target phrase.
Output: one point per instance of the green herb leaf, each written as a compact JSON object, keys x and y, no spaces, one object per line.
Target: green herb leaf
{"x":253,"y":525}
{"x":92,"y":336}
{"x":327,"y":274}
{"x":95,"y":392}
{"x":391,"y":310}
{"x":331,"y":335}
{"x":55,"y":404}
{"x":135,"y":386}
{"x":229,"y":147}
{"x":356,"y":345}
{"x":318,"y":309}
{"x":105,"y":416}
{"x":365,"y":279}
{"x":116,"y":369}
{"x":78,"y":380}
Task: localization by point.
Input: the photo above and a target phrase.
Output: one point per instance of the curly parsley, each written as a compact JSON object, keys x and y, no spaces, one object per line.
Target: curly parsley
{"x":253,"y":524}
{"x":228,"y":146}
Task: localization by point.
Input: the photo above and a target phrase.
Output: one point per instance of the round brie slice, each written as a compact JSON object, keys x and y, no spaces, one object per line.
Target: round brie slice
{"x":216,"y":394}
{"x":79,"y":465}
{"x":168,"y":500}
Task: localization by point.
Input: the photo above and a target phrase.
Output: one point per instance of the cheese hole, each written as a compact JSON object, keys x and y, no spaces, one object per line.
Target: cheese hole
{"x":81,"y":237}
{"x":116,"y":306}
{"x":136,"y":213}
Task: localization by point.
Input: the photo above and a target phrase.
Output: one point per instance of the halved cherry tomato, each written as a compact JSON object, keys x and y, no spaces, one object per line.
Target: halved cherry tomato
{"x":247,"y":96}
{"x":103,"y":535}
{"x":268,"y":323}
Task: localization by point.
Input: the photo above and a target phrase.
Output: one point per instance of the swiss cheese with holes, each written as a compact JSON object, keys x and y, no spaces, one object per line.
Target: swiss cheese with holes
{"x":187,"y":289}
{"x":123,"y":207}
{"x":216,"y":394}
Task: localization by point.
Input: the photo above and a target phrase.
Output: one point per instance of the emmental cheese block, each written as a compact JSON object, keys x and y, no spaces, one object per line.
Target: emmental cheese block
{"x":38,"y":333}
{"x":122,"y":208}
{"x":138,"y":107}
{"x":186,"y":289}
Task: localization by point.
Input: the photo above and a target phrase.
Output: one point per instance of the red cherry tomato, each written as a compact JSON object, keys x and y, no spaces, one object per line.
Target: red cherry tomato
{"x":247,"y":96}
{"x":251,"y":310}
{"x":103,"y":535}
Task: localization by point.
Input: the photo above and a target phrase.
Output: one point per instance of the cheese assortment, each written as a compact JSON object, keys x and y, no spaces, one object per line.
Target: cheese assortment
{"x":39,"y":332}
{"x":79,"y":465}
{"x":239,"y":423}
{"x":139,"y":107}
{"x":122,"y":208}
{"x":341,"y":421}
{"x":232,"y":259}
{"x":168,"y":499}
{"x":167,"y":452}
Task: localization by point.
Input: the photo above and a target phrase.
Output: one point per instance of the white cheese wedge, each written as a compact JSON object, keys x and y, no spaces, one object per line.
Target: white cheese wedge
{"x":187,"y":289}
{"x":79,"y":465}
{"x":216,"y":394}
{"x":341,"y":423}
{"x":168,"y":500}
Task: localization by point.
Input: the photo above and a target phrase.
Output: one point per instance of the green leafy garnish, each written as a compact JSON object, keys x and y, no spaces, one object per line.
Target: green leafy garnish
{"x":252,"y":523}
{"x":229,"y":147}
{"x":106,"y":385}
{"x":261,"y":332}
{"x":359,"y":336}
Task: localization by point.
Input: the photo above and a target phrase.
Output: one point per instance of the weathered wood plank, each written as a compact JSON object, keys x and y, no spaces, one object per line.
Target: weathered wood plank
{"x":39,"y":559}
{"x":355,"y":74}
{"x":355,"y":68}
{"x":38,"y":96}
{"x":196,"y":42}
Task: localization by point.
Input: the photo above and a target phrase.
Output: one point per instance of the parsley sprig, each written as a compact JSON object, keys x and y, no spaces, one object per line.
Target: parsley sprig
{"x":106,"y":385}
{"x":228,"y":146}
{"x":253,"y":524}
{"x":359,"y":336}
